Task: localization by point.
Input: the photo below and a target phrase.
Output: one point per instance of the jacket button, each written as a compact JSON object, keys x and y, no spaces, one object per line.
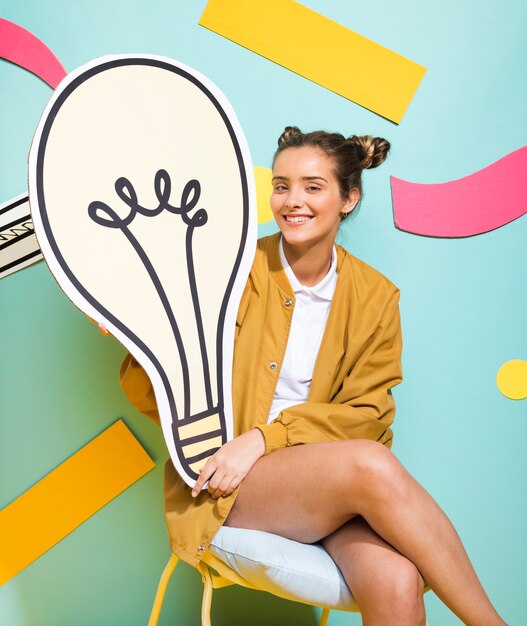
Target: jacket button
{"x":272,"y":365}
{"x":201,"y":547}
{"x":288,"y":302}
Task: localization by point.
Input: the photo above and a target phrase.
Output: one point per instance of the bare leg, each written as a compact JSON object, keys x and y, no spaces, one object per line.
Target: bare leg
{"x":307,"y":492}
{"x":387,"y":586}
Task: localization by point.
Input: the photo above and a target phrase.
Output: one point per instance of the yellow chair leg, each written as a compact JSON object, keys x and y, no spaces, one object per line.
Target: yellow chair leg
{"x":161,"y":589}
{"x":324,"y":617}
{"x":207,"y":597}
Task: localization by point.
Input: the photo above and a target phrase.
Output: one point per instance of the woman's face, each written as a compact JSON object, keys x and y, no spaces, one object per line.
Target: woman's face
{"x":306,"y":200}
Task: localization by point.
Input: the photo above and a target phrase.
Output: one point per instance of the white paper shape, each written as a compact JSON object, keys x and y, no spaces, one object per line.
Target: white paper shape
{"x":142,"y":195}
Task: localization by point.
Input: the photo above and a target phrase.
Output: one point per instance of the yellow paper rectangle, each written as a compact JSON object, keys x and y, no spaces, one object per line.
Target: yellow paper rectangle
{"x":69,"y":495}
{"x":319,"y":49}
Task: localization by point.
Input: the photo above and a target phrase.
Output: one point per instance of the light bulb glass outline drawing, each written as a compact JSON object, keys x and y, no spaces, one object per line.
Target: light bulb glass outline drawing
{"x":87,"y":303}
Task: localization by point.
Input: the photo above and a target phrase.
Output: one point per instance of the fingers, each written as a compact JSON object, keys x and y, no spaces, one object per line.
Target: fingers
{"x":102,"y":327}
{"x":232,"y":486}
{"x":221,"y":483}
{"x":226,"y":468}
{"x":204,"y":474}
{"x":224,"y":487}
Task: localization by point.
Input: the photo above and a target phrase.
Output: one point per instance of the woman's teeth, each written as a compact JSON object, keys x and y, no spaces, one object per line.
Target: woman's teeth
{"x":297,"y":219}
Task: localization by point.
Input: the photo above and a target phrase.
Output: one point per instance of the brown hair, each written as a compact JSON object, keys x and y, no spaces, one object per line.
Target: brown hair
{"x":350,"y":155}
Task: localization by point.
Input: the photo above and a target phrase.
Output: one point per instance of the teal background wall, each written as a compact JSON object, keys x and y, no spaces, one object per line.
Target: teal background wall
{"x":463,"y":303}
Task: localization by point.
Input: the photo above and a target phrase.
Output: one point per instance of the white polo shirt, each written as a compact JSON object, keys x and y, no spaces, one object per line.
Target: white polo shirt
{"x":305,"y":336}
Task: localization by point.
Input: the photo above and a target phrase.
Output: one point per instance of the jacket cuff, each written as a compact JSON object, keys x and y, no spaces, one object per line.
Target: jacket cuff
{"x":275,"y":435}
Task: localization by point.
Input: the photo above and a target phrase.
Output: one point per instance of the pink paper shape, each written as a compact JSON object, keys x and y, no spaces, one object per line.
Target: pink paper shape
{"x":474,"y":204}
{"x":20,"y":46}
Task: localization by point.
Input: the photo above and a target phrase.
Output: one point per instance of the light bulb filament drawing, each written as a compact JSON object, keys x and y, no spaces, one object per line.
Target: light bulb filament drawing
{"x":105,"y":216}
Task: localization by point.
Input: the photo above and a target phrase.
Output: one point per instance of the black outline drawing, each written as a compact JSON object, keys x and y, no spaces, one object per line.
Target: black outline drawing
{"x":25,"y":224}
{"x":189,"y":198}
{"x":125,"y":188}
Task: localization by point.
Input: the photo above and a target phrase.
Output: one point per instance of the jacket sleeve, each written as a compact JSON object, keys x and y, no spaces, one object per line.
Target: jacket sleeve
{"x":362,"y":408}
{"x":137,"y":386}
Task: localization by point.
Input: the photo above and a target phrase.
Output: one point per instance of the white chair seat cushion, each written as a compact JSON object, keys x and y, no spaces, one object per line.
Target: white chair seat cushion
{"x":286,"y":568}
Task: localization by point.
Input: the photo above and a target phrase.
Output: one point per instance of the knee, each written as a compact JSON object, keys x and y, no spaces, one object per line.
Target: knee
{"x":379,"y":469}
{"x":394,"y":594}
{"x":403,"y":594}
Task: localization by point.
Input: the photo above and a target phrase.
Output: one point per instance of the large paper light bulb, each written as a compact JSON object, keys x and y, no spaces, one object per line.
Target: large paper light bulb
{"x":142,"y":196}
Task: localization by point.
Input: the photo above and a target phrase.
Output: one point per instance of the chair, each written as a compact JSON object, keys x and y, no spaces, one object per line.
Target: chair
{"x":266,"y":562}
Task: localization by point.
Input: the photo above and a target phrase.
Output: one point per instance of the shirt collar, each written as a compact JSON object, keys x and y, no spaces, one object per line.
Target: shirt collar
{"x":324,"y":289}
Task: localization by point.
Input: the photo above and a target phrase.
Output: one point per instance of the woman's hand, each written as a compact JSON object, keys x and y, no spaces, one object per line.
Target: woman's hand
{"x":230,"y":464}
{"x":102,"y":328}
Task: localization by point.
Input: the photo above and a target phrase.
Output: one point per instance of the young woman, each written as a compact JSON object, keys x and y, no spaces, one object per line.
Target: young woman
{"x":317,"y":352}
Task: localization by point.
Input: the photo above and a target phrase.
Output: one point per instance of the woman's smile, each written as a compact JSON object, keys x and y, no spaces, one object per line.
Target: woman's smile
{"x":297,"y":220}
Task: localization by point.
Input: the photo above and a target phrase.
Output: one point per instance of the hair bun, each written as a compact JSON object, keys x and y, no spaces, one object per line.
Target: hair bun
{"x":373,"y":150}
{"x":289,"y":132}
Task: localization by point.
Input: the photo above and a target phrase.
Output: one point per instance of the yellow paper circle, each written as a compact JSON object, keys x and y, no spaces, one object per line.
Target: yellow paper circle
{"x":512,"y":379}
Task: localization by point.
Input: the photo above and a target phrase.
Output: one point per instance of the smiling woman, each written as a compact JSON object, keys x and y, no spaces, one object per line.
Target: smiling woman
{"x":327,"y":473}
{"x":317,"y":352}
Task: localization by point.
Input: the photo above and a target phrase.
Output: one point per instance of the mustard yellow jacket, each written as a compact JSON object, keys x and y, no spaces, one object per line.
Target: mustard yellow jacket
{"x":358,"y":363}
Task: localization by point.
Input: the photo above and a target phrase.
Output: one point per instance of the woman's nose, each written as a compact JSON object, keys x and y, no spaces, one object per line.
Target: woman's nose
{"x":293,"y":202}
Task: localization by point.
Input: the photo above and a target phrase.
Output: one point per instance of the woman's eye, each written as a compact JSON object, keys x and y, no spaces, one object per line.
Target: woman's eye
{"x":313,"y":188}
{"x":279,"y":188}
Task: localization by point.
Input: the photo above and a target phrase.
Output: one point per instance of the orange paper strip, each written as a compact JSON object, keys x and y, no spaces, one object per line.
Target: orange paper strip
{"x":69,"y":495}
